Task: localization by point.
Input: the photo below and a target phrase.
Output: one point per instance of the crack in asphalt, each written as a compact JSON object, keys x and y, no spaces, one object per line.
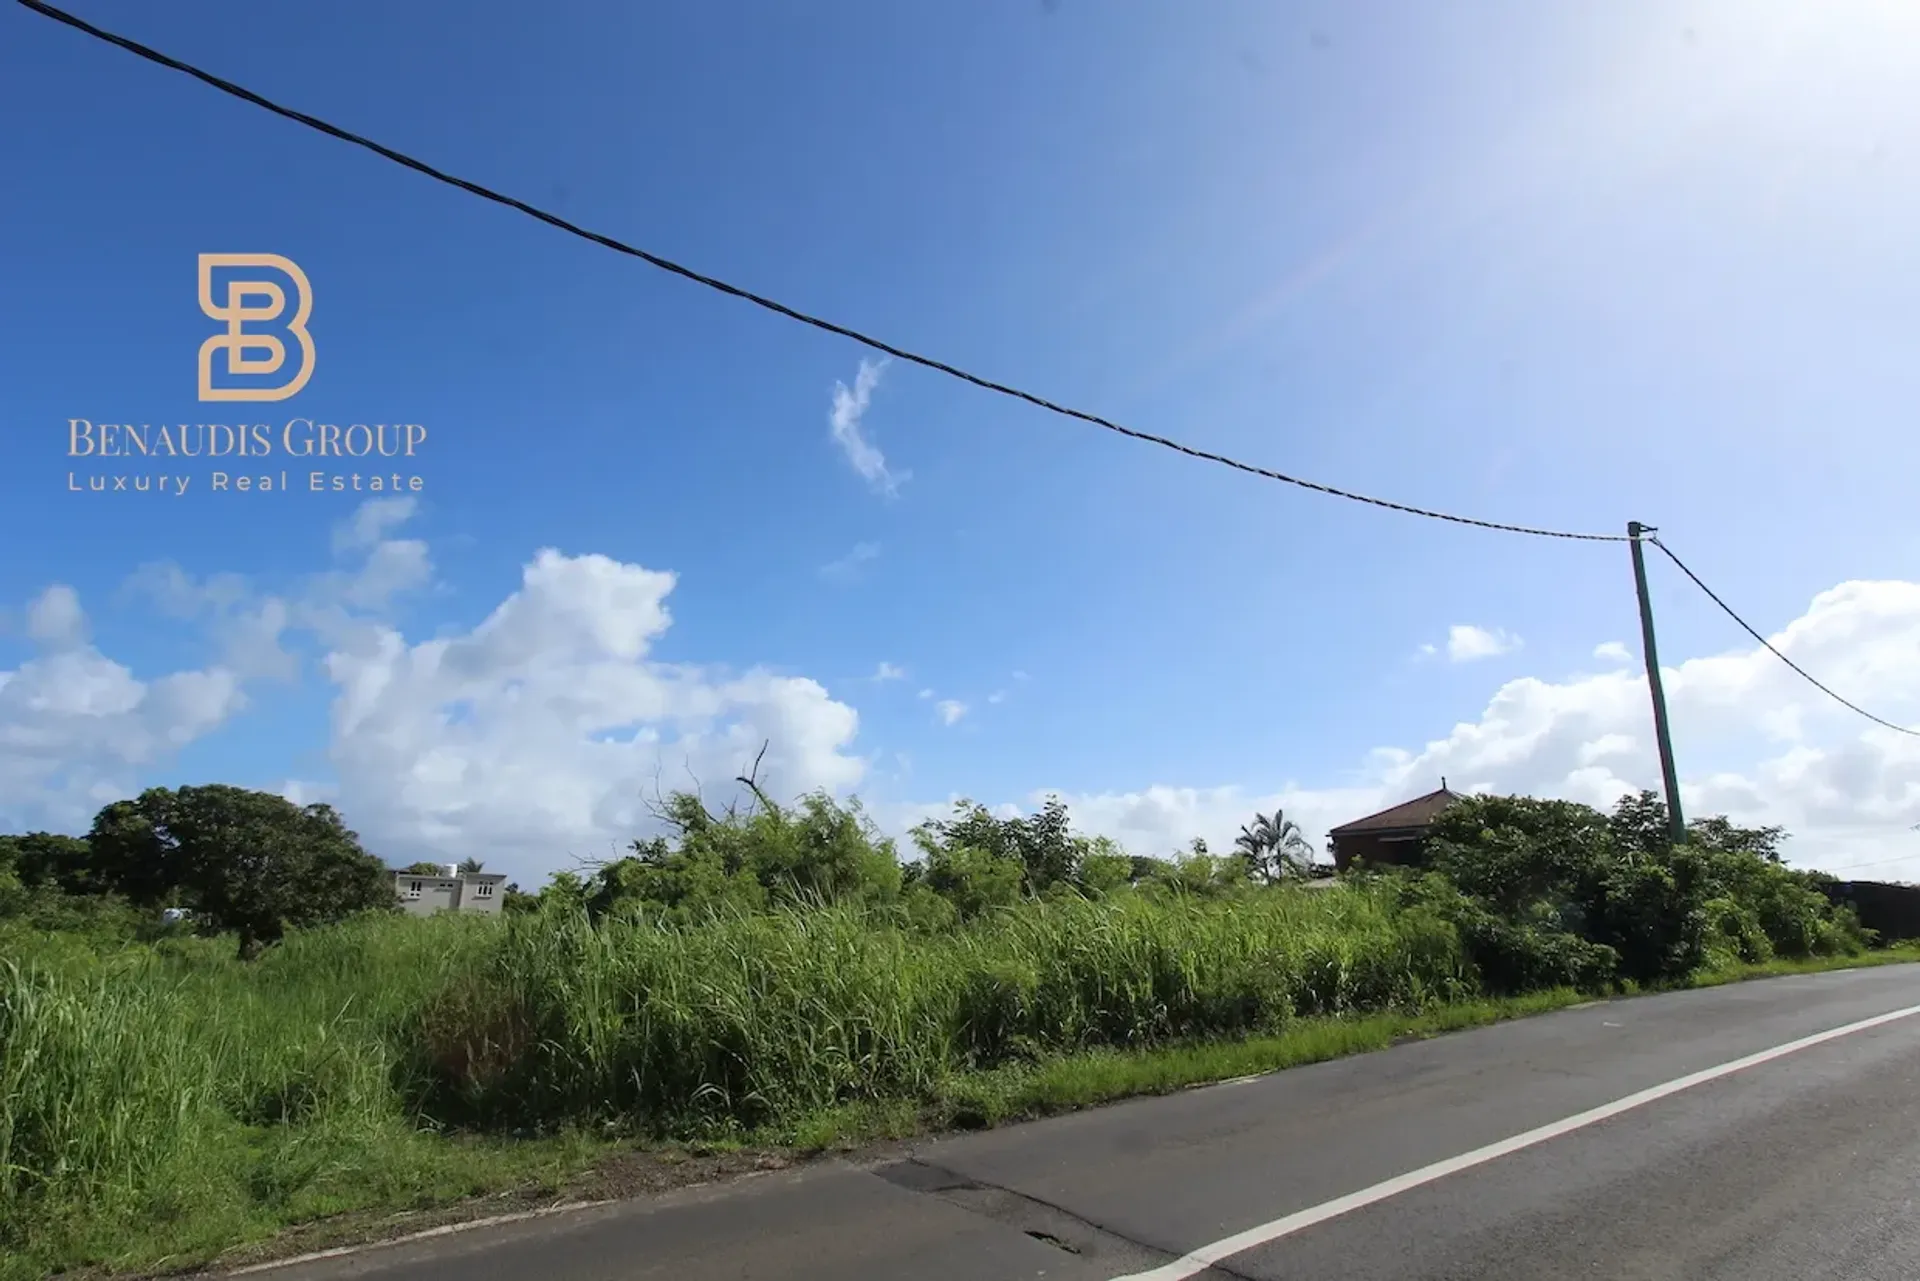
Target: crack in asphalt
{"x":916,"y":1175}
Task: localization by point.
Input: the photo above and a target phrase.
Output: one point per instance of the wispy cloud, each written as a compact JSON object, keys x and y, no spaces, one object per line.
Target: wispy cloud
{"x":998,"y":696}
{"x":926,"y":693}
{"x":370,"y":522}
{"x":847,"y":568}
{"x":889,"y":672}
{"x":950,"y":710}
{"x":849,"y":408}
{"x":1613,"y":652}
{"x":1466,"y":643}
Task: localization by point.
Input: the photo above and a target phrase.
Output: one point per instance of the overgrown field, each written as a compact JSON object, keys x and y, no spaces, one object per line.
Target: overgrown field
{"x":175,"y":1083}
{"x":161,"y":1100}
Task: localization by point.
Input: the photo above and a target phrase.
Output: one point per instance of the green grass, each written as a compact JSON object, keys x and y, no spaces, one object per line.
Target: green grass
{"x":1780,"y":967}
{"x":160,"y":1105}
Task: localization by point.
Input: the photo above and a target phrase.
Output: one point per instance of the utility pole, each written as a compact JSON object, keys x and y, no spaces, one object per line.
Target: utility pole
{"x":1676,"y":824}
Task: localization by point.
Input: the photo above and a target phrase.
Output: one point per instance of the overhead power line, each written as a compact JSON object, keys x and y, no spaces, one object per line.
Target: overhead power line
{"x":1861,"y":867}
{"x":780,"y":308}
{"x":1748,"y":628}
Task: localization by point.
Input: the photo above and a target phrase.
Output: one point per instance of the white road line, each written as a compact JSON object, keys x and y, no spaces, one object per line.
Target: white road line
{"x":1206,"y":1256}
{"x":445,"y":1229}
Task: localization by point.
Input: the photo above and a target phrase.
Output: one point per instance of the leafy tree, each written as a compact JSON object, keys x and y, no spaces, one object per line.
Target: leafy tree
{"x":974,"y":880}
{"x":924,"y":911}
{"x":1043,"y":844}
{"x":471,"y":866}
{"x":814,"y":851}
{"x":817,"y":850}
{"x":1197,"y":871}
{"x":1639,"y":823}
{"x":426,"y":868}
{"x":567,"y":892}
{"x":1105,"y":868}
{"x":39,"y":859}
{"x":514,"y":901}
{"x":1274,"y":848}
{"x":250,"y":862}
{"x":1522,"y":856}
{"x":1546,"y":872}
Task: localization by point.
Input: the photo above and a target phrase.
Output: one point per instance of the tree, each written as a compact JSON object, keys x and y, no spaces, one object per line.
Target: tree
{"x":1639,"y":823}
{"x":40,"y":859}
{"x":250,"y":862}
{"x":815,"y":851}
{"x":1043,"y":844}
{"x":1274,"y":847}
{"x":1105,"y":868}
{"x":1196,"y":872}
{"x":470,"y":866}
{"x":426,"y":868}
{"x":975,"y":881}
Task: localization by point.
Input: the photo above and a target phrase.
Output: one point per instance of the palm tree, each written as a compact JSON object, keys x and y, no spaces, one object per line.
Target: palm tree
{"x":470,"y":867}
{"x":1274,"y":847}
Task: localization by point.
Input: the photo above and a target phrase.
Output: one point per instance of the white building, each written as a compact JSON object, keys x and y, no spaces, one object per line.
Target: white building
{"x":450,"y":890}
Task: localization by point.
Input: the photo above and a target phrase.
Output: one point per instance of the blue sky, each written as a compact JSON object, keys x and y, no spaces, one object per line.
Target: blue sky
{"x":1553,"y":264}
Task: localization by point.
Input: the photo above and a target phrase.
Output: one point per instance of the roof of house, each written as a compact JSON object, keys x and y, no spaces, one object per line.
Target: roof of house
{"x":442,"y":875}
{"x":1418,"y":812}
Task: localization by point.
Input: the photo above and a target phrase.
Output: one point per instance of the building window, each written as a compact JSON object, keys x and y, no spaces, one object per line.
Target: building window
{"x":484,"y":889}
{"x":413,"y":889}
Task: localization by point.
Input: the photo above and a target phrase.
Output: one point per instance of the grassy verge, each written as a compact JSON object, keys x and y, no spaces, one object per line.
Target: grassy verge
{"x":1072,"y":1082}
{"x":184,"y":1108}
{"x":1900,"y":954}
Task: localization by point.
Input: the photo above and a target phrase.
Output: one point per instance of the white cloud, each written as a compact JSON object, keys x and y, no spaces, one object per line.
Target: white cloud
{"x":889,"y":672}
{"x":847,"y":568}
{"x":1465,"y":643}
{"x":78,"y":730}
{"x":998,"y":696}
{"x":950,"y":710}
{"x":849,"y":408}
{"x":1612,"y":652}
{"x":925,"y":693}
{"x":544,"y":731}
{"x":55,"y":617}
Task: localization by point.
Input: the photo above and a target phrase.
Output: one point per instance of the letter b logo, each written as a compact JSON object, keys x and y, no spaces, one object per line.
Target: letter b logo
{"x":251,"y":353}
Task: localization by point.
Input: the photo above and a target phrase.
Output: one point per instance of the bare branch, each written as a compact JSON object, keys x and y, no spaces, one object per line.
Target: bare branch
{"x":750,"y":780}
{"x":699,"y":793}
{"x":656,"y":805}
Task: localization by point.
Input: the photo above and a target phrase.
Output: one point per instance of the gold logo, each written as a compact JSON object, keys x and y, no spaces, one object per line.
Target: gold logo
{"x":237,"y":341}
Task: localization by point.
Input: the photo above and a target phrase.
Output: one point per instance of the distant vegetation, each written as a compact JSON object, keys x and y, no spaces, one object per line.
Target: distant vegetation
{"x":296,"y":1047}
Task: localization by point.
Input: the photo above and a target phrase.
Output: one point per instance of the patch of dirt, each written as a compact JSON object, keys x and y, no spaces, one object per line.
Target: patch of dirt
{"x":627,"y":1176}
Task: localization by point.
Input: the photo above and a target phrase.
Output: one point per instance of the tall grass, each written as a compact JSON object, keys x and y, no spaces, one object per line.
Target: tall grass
{"x":170,"y":1095}
{"x":171,"y":1084}
{"x":749,"y":1019}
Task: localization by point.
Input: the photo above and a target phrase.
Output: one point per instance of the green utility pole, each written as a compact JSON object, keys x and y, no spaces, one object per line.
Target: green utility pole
{"x":1676,"y":824}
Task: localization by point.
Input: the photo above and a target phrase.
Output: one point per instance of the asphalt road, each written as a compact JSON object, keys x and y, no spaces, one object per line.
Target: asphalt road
{"x":1801,"y":1164}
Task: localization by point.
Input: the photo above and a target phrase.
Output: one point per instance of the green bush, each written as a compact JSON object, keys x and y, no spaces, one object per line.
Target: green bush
{"x":1558,"y":888}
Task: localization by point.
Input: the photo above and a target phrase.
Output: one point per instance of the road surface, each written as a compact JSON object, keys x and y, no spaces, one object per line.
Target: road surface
{"x":1765,"y":1131}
